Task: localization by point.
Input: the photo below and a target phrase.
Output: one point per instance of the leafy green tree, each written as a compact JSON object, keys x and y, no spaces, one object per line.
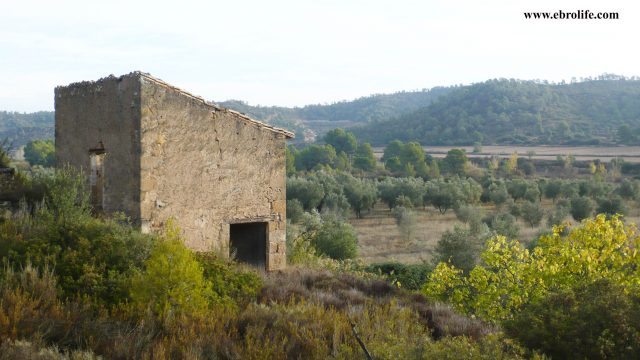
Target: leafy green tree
{"x":512,"y":276}
{"x":590,"y":321}
{"x":459,"y":247}
{"x":532,"y":213}
{"x":498,"y":194}
{"x":310,"y":193}
{"x":361,"y":194}
{"x":518,"y":188}
{"x":409,"y":170}
{"x":629,"y":189}
{"x":533,"y":193}
{"x":391,"y":188}
{"x":470,"y":190}
{"x":443,"y":195}
{"x":553,"y":189}
{"x":40,"y":152}
{"x":392,"y":150}
{"x":558,"y":215}
{"x":569,"y":190}
{"x":412,"y":153}
{"x":341,"y":140}
{"x":405,"y":219}
{"x":337,"y":204}
{"x":455,"y":161}
{"x":294,"y":210}
{"x":336,"y":239}
{"x":469,"y":213}
{"x":612,"y":205}
{"x":581,"y":208}
{"x":393,"y":164}
{"x":403,"y":201}
{"x":504,"y":224}
{"x":342,"y":162}
{"x":315,"y":155}
{"x":364,"y":158}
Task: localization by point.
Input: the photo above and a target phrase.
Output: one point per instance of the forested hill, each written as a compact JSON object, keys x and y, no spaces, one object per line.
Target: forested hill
{"x":601,"y":111}
{"x":20,"y":128}
{"x":320,"y":118}
{"x":311,"y":119}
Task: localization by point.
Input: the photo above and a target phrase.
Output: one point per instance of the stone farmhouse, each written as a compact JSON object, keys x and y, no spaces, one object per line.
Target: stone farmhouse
{"x":155,"y":152}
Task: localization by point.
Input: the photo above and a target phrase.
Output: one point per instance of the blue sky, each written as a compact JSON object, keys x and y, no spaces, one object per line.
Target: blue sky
{"x":301,"y":52}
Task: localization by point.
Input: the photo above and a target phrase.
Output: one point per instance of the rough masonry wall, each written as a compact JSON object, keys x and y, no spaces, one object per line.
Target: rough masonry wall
{"x":107,"y":111}
{"x":209,"y":168}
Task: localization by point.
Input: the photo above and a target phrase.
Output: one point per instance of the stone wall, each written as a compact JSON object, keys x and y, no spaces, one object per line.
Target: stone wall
{"x":209,"y":168}
{"x":170,"y":154}
{"x":106,"y":111}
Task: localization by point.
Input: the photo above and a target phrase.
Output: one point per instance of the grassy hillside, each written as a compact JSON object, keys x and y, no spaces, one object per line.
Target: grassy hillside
{"x":520,"y":112}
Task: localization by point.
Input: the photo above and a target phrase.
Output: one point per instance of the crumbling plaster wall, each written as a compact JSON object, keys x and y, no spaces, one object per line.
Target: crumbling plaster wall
{"x":106,"y":111}
{"x":208,"y":168}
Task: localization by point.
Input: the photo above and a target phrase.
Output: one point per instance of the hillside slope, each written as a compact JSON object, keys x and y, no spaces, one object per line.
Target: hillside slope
{"x":20,"y":128}
{"x":520,"y":112}
{"x":321,"y":118}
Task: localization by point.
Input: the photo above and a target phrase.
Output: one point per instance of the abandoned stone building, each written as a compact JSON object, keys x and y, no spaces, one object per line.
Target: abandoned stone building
{"x":156,"y":152}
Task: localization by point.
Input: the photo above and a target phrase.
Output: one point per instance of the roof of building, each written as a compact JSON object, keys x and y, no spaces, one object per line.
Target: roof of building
{"x":214,"y":107}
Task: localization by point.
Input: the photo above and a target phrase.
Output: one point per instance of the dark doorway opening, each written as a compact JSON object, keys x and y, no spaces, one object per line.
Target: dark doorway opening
{"x":248,"y":242}
{"x":96,"y":178}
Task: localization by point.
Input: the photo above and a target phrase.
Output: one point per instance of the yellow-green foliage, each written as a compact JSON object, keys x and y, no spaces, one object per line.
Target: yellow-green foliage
{"x":231,"y":286}
{"x":512,"y":276}
{"x":172,"y":282}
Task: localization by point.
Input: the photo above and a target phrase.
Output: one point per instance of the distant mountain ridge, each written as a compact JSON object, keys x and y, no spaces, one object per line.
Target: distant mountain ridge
{"x":308,"y":121}
{"x":20,"y":128}
{"x":605,"y":110}
{"x":321,"y":118}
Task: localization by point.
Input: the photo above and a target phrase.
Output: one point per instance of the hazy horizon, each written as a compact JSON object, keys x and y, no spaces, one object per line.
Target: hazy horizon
{"x":296,"y":53}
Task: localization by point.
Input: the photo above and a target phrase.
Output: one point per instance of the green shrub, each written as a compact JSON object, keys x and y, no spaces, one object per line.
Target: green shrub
{"x":459,"y":247}
{"x":408,"y":276}
{"x":65,"y":195}
{"x":629,"y":189}
{"x":336,"y":239}
{"x":581,"y":207}
{"x":532,"y":213}
{"x":594,"y":321}
{"x":172,"y":282}
{"x":40,"y":152}
{"x":230,"y":285}
{"x":611,"y":206}
{"x":91,"y":257}
{"x":558,"y":215}
{"x":503,"y":224}
{"x":294,"y":210}
{"x":406,"y":221}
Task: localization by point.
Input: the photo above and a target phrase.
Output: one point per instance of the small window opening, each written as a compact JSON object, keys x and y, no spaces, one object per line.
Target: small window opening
{"x":96,"y":178}
{"x":248,"y":243}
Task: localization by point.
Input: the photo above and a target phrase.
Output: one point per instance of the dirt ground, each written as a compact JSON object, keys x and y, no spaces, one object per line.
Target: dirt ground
{"x":379,"y":239}
{"x":584,"y":153}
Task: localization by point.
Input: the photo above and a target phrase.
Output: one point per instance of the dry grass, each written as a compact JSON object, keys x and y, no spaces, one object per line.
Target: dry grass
{"x":350,"y":293}
{"x":587,"y":153}
{"x":379,"y":239}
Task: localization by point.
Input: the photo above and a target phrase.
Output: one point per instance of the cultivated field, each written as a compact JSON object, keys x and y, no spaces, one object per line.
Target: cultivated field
{"x":379,"y":239}
{"x":604,"y":153}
